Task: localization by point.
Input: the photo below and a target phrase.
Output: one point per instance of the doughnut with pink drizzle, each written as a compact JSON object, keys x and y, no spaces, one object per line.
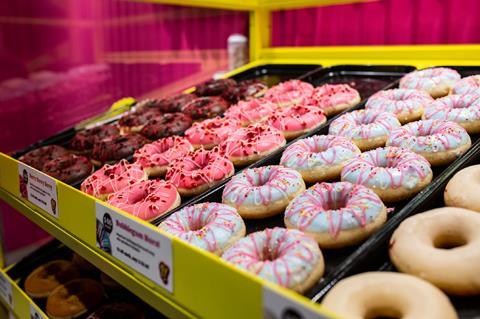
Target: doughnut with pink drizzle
{"x":335,"y":98}
{"x":462,"y":109}
{"x":393,"y":173}
{"x":155,"y":157}
{"x":198,"y":171}
{"x":209,"y":133}
{"x":368,"y":129}
{"x":112,"y":178}
{"x":248,"y":112}
{"x":319,"y":157}
{"x":297,"y":120}
{"x":435,"y":81}
{"x":290,"y":93}
{"x":263,"y":191}
{"x":146,"y":200}
{"x":336,"y":214}
{"x":440,"y":142}
{"x":286,"y":257}
{"x":210,"y":226}
{"x":468,"y":85}
{"x":406,"y":104}
{"x":249,"y":144}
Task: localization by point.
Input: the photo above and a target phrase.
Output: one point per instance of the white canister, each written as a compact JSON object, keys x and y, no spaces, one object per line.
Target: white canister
{"x":237,"y":51}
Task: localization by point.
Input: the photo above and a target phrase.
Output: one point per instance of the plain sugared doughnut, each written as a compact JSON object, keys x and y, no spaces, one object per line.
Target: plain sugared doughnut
{"x":463,"y":189}
{"x":441,"y":246}
{"x":387,"y":294}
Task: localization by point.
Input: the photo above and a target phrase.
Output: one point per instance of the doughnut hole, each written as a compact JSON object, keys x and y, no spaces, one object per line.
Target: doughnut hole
{"x":449,"y":240}
{"x":383,"y":313}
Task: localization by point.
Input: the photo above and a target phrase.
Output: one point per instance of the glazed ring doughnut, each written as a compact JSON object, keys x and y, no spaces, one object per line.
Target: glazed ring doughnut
{"x":210,"y":226}
{"x":393,"y":173}
{"x":440,"y":142}
{"x":335,"y":98}
{"x":463,"y":189}
{"x":468,"y":85}
{"x":165,"y":125}
{"x":388,"y":295}
{"x":462,"y":109}
{"x":248,"y":112}
{"x":447,"y":249}
{"x":264,"y":191}
{"x":368,"y":129}
{"x":205,"y":107}
{"x":320,"y":157}
{"x":209,"y":133}
{"x":435,"y":81}
{"x":286,"y":257}
{"x":337,"y":214}
{"x":406,"y":104}
{"x":290,"y":93}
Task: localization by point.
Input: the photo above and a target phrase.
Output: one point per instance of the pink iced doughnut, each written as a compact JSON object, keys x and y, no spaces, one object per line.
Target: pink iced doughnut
{"x":335,"y":98}
{"x":296,"y":120}
{"x":248,"y":112}
{"x":146,"y":200}
{"x":155,"y":157}
{"x":112,"y":178}
{"x":462,"y":109}
{"x":209,"y":133}
{"x":251,"y":143}
{"x":435,"y":81}
{"x":290,"y":93}
{"x":406,"y":104}
{"x":198,"y":171}
{"x":467,"y":85}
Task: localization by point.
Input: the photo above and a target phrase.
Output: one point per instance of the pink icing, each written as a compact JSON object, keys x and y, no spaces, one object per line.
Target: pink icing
{"x":162,"y":152}
{"x":290,"y":93}
{"x":146,"y":200}
{"x":198,"y":168}
{"x":296,"y":118}
{"x":112,"y":178}
{"x":253,"y":139}
{"x":251,"y":111}
{"x":330,"y":95}
{"x":211,"y":131}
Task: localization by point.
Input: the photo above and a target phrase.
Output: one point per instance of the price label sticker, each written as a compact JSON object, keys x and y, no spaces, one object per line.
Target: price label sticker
{"x":142,"y":248}
{"x":6,"y":290}
{"x":277,"y":306}
{"x":38,"y":188}
{"x":35,"y":313}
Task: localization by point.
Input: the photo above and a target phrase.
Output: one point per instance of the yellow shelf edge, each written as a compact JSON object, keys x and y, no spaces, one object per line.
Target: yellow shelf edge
{"x":299,"y":4}
{"x":213,"y":4}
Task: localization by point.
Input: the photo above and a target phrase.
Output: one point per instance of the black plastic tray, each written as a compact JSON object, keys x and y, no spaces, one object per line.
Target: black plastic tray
{"x":272,"y":74}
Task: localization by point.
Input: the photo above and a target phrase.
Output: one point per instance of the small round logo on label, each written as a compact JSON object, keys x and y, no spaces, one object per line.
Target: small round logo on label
{"x":290,"y":313}
{"x":107,"y":223}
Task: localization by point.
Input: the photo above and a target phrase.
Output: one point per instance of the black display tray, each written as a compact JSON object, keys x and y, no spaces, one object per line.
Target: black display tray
{"x":272,"y":74}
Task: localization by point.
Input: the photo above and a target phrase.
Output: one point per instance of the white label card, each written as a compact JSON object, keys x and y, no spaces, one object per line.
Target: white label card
{"x":6,"y":290}
{"x":276,"y":306}
{"x":141,"y":248}
{"x":35,"y":314}
{"x":38,"y":188}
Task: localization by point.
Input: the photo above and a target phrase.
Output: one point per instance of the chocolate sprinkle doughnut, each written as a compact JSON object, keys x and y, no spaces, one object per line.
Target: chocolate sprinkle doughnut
{"x":84,"y":140}
{"x":206,"y":107}
{"x":37,"y":158}
{"x":169,"y":104}
{"x":214,"y":87}
{"x":135,"y":121}
{"x":166,"y":125}
{"x":117,"y":148}
{"x":68,"y":168}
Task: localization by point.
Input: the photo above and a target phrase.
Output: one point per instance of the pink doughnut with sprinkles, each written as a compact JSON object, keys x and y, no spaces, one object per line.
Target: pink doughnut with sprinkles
{"x":335,"y":98}
{"x":296,"y":120}
{"x":198,"y":171}
{"x":336,"y":214}
{"x":155,"y":157}
{"x":391,"y":172}
{"x":263,"y":191}
{"x":209,"y":133}
{"x":146,"y":200}
{"x":435,"y":81}
{"x":468,"y":85}
{"x":112,"y":178}
{"x":290,"y":93}
{"x":286,"y":257}
{"x":209,"y":226}
{"x":248,"y":112}
{"x":251,"y":143}
{"x":406,"y":104}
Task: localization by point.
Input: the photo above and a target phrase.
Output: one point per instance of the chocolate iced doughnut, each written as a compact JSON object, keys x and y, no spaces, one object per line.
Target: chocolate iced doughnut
{"x":84,"y":140}
{"x":214,"y":87}
{"x":68,"y":168}
{"x":166,"y":125}
{"x":245,"y":90}
{"x":37,"y":158}
{"x":134,"y":122}
{"x":206,"y":107}
{"x":170,"y":104}
{"x":113,"y":149}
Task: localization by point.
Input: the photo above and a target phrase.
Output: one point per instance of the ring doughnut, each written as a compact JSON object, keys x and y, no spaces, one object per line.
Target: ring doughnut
{"x":165,"y":125}
{"x":146,"y":200}
{"x":462,"y":109}
{"x":69,"y":168}
{"x":286,"y":257}
{"x":320,"y":157}
{"x":171,"y":104}
{"x":368,"y":129}
{"x":248,"y":112}
{"x":133,"y":122}
{"x":214,"y":87}
{"x":435,"y":81}
{"x":393,"y":173}
{"x":406,"y":104}
{"x":335,"y":98}
{"x":198,"y":171}
{"x":336,"y":214}
{"x":462,"y":189}
{"x":388,"y":295}
{"x":245,"y":90}
{"x":297,"y":120}
{"x":111,"y":150}
{"x":205,"y":107}
{"x":39,"y":156}
{"x":263,"y":191}
{"x":210,"y":133}
{"x":447,"y":249}
{"x":290,"y":93}
{"x":210,"y":226}
{"x":439,"y":142}
{"x":467,"y":85}
{"x":83,"y":141}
